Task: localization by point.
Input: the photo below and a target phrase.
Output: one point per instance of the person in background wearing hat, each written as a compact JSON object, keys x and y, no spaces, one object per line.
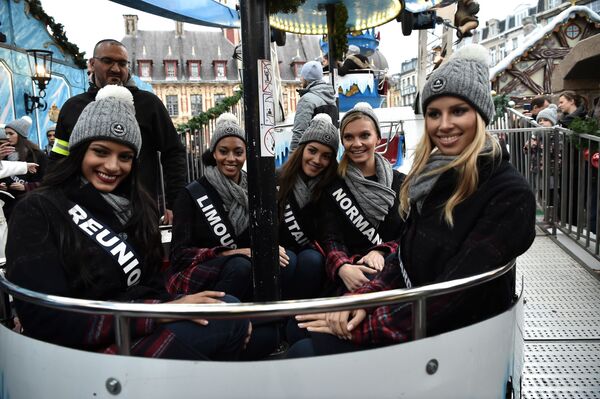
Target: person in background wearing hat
{"x":316,"y":96}
{"x":17,"y":133}
{"x":354,"y":61}
{"x":359,"y":217}
{"x":210,"y":248}
{"x":50,"y":135}
{"x":110,"y":65}
{"x":90,"y":204}
{"x":302,"y":180}
{"x":548,"y":117}
{"x":9,"y":168}
{"x":466,"y":209}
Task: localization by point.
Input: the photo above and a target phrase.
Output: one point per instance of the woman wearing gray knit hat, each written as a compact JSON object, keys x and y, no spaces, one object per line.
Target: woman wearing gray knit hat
{"x":210,"y":246}
{"x":90,"y":231}
{"x":359,"y":206}
{"x":466,"y":211}
{"x":17,"y":133}
{"x":301,"y":182}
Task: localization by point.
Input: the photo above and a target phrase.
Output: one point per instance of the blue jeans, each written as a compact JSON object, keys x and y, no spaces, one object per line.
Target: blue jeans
{"x":304,"y":275}
{"x":219,"y":340}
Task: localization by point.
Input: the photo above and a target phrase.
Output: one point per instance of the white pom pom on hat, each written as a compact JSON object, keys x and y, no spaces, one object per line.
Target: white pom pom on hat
{"x":226,"y":117}
{"x":473,"y":52}
{"x":362,"y":104}
{"x":115,"y":91}
{"x":322,"y":117}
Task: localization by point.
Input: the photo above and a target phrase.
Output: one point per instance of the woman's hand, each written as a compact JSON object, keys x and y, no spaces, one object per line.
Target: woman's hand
{"x":200,"y":297}
{"x":32,"y":167}
{"x":374,"y":260}
{"x":240,"y":251}
{"x":3,"y":187}
{"x":354,"y":276}
{"x":342,"y":323}
{"x":6,"y":149}
{"x":315,"y":322}
{"x":284,"y":259}
{"x":17,"y":186}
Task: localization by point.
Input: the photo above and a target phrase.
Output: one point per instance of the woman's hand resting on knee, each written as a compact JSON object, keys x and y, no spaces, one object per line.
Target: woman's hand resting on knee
{"x":200,"y":297}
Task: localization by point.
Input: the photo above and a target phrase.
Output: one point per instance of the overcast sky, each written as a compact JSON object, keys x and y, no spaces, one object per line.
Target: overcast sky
{"x":88,"y":21}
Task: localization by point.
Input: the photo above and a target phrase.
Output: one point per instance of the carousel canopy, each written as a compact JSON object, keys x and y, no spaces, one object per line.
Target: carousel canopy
{"x":311,"y":19}
{"x":199,"y":12}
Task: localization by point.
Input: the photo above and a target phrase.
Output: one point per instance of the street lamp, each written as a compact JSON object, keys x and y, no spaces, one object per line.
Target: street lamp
{"x":40,"y":70}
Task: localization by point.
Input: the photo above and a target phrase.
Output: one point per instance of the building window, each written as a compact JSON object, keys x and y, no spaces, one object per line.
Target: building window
{"x":217,"y":98}
{"x":171,"y":70}
{"x":553,"y":4}
{"x":572,"y":31}
{"x":493,"y":56}
{"x":595,"y":5}
{"x":172,"y":106}
{"x":145,"y":69}
{"x":220,"y":70}
{"x":515,"y":42}
{"x":501,"y":51}
{"x":196,"y":103}
{"x":194,"y":70}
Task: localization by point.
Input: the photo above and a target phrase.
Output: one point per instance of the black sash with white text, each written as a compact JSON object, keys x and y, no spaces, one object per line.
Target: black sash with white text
{"x":219,"y":226}
{"x":109,"y":241}
{"x":351,"y":210}
{"x":293,"y":224}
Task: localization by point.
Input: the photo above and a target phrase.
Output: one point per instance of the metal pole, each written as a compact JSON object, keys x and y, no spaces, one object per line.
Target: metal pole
{"x":261,"y":167}
{"x":330,"y":9}
{"x":419,"y":318}
{"x":123,"y":335}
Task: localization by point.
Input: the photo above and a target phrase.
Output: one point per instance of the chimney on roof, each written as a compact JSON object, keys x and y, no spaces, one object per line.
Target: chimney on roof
{"x":233,"y":35}
{"x":131,"y":22}
{"x":178,"y":29}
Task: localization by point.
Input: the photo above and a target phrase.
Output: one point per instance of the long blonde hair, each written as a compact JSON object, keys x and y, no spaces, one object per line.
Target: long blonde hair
{"x":465,"y":164}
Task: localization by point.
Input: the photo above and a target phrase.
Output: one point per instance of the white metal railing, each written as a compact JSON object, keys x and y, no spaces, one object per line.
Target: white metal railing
{"x":123,"y":311}
{"x":561,"y":168}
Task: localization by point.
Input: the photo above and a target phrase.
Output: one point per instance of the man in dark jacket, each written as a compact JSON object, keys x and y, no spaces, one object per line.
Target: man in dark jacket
{"x":110,"y":66}
{"x":316,"y":96}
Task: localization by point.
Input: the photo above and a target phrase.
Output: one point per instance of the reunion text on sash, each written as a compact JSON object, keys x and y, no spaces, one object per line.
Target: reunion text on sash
{"x":109,"y":241}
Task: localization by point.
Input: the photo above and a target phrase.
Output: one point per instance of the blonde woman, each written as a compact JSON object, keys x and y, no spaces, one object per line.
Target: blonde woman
{"x":466,"y":211}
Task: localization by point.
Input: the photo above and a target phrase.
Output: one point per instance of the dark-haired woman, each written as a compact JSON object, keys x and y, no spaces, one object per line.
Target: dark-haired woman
{"x":302,"y":180}
{"x":91,"y":232}
{"x":572,"y":106}
{"x":17,"y":133}
{"x":210,"y":248}
{"x":360,"y":218}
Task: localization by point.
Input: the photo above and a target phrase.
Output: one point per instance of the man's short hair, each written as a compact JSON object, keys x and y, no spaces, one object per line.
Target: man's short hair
{"x":539,"y":101}
{"x":111,"y":41}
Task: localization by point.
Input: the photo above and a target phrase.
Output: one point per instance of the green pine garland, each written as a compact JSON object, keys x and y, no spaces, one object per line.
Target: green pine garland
{"x":58,"y":34}
{"x":500,"y":104}
{"x":340,"y":34}
{"x":284,"y":6}
{"x":203,"y":118}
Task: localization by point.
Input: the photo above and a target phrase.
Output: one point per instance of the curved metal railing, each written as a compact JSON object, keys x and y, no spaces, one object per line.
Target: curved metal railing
{"x":123,"y":311}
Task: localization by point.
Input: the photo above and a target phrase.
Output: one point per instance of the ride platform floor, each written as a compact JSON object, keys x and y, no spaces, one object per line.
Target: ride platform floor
{"x":561,"y":323}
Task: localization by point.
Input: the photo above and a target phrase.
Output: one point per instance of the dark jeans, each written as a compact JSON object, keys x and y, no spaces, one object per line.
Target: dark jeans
{"x":219,"y":340}
{"x":323,"y":344}
{"x":303,"y":276}
{"x":236,"y":277}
